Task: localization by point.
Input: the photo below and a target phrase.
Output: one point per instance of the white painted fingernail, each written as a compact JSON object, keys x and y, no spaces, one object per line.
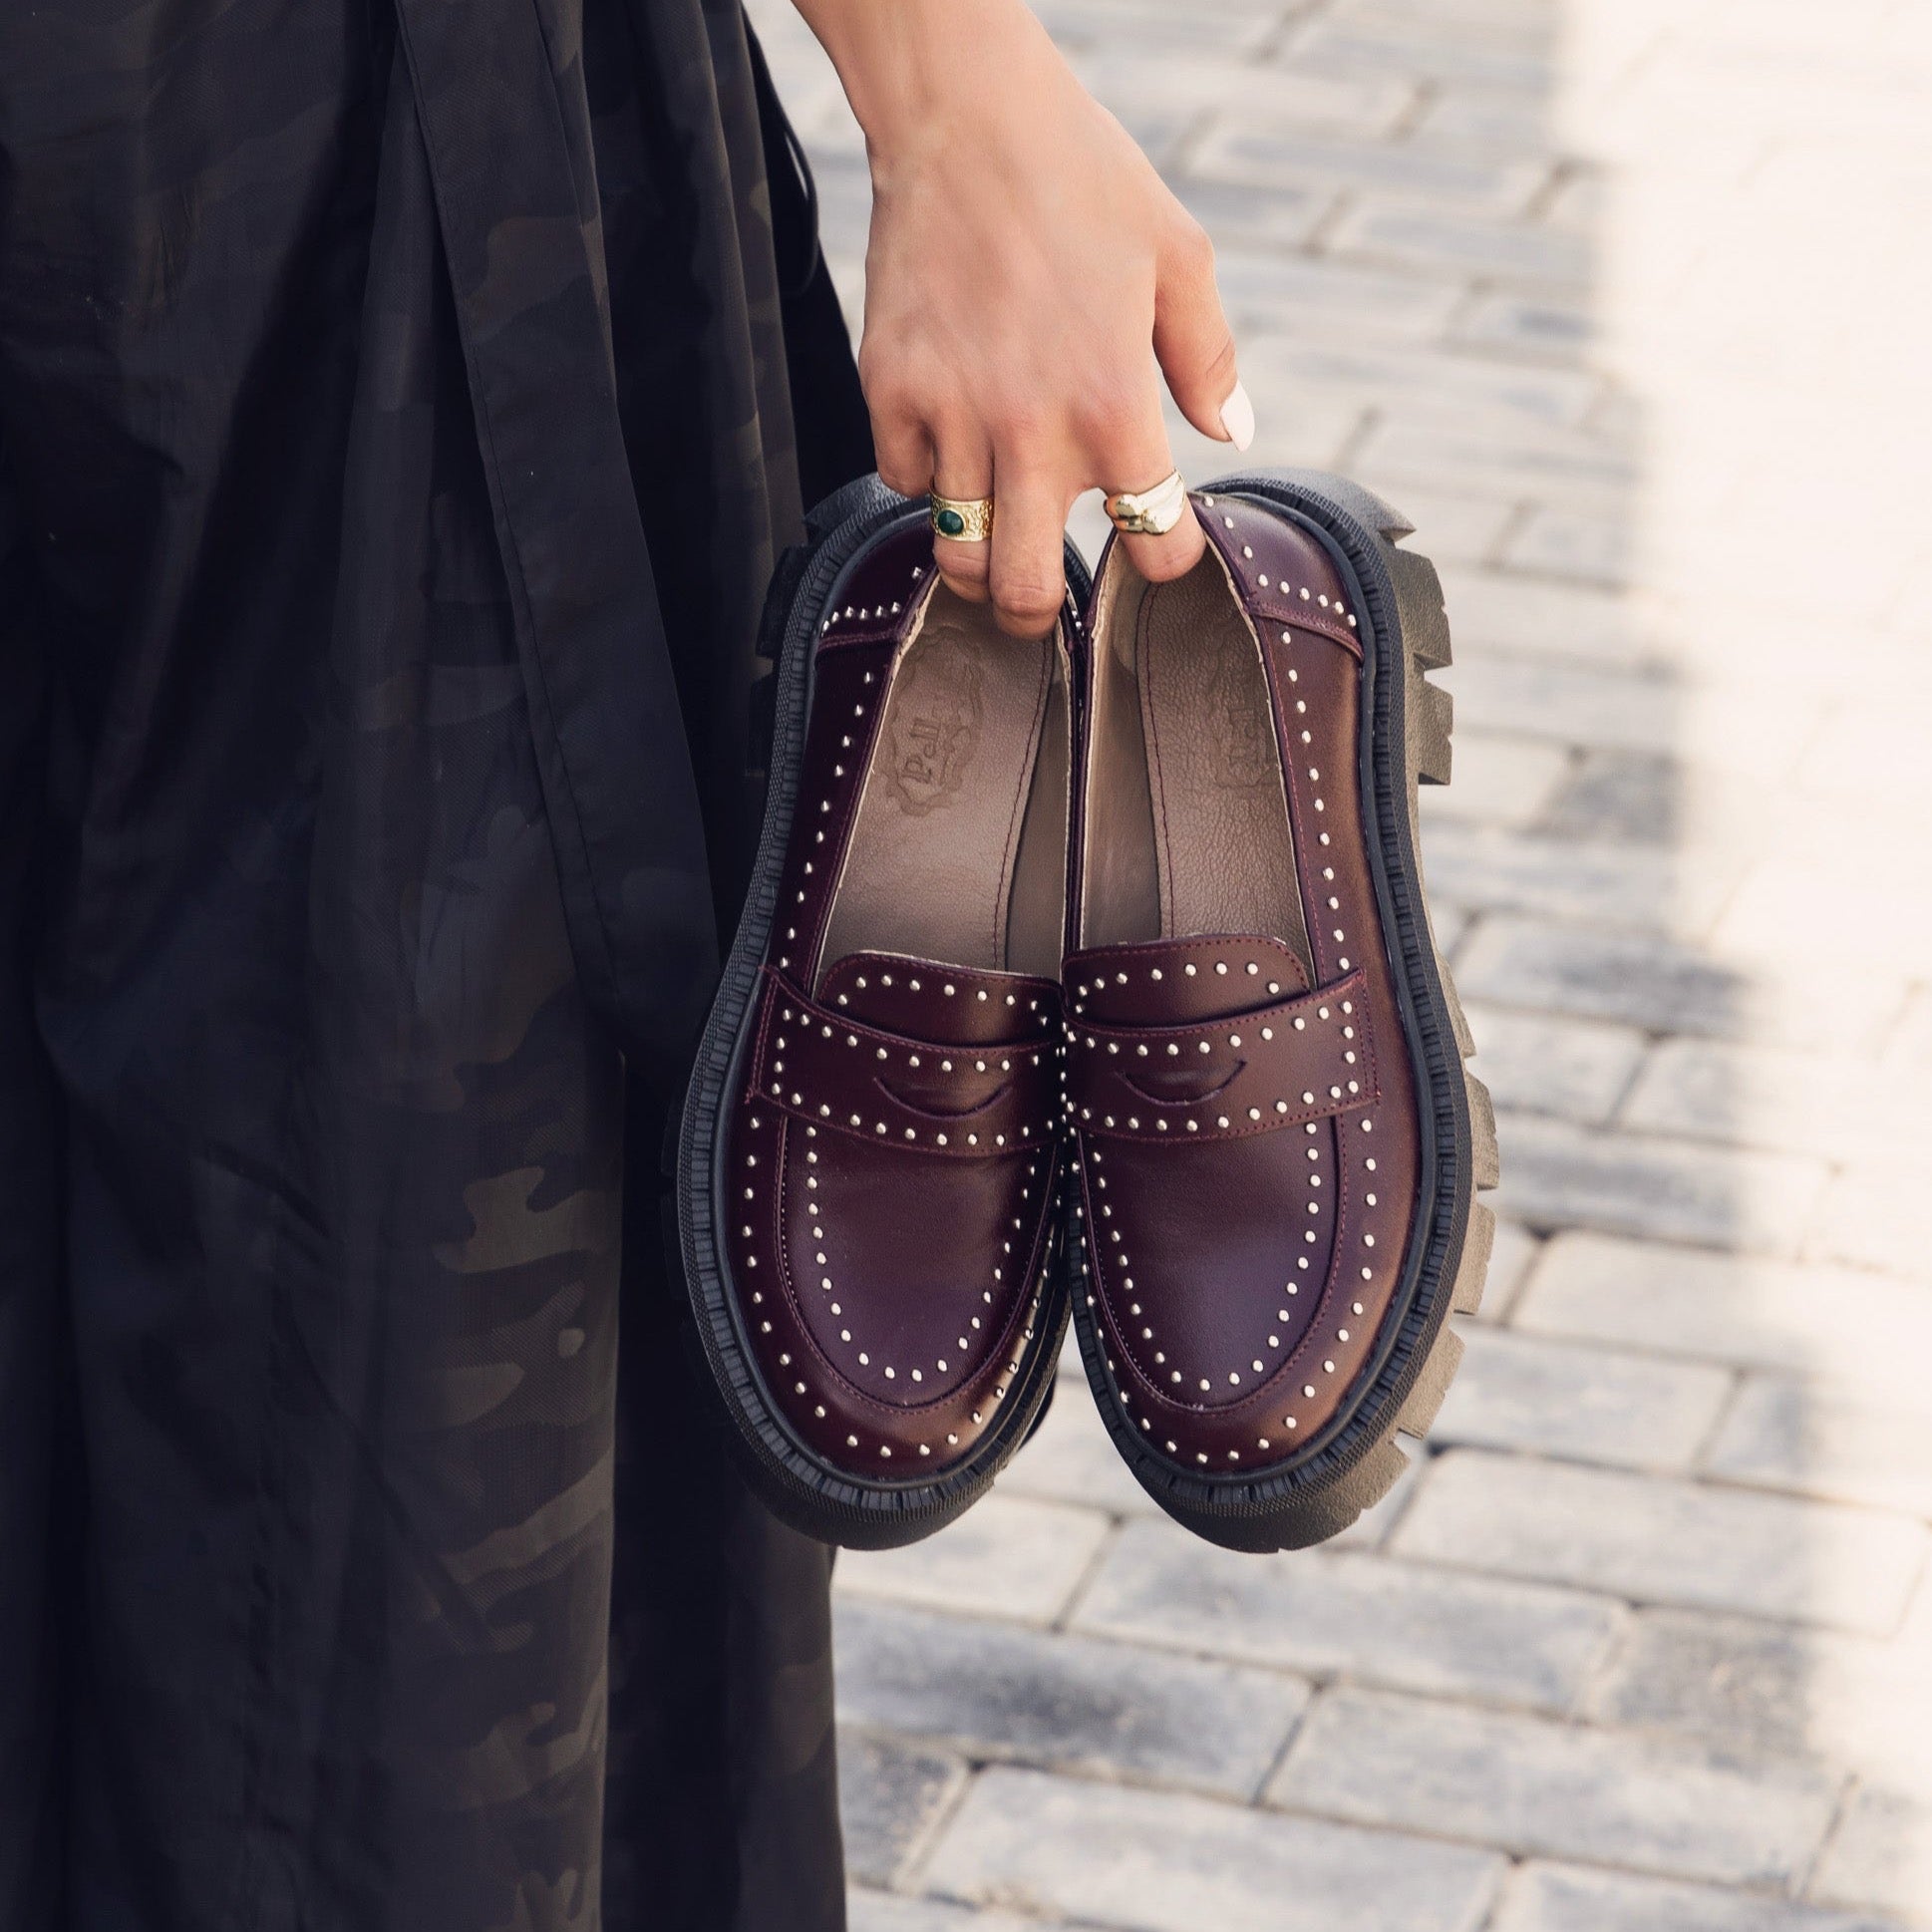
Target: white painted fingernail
{"x":1238,"y":418}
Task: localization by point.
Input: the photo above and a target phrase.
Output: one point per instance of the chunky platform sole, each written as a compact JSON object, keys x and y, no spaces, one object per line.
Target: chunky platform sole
{"x":1356,"y":1460}
{"x":799,"y":1485}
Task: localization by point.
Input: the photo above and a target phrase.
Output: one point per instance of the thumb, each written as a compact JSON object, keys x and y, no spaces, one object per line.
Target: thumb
{"x":1194,"y":344}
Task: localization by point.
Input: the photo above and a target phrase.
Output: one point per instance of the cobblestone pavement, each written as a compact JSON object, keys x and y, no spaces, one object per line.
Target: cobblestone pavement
{"x":1625,"y":303}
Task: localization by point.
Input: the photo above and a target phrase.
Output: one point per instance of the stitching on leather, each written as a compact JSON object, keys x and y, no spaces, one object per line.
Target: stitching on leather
{"x":1011,"y":1092}
{"x":1354,"y":987}
{"x":1097,"y":956}
{"x":961,"y":1395}
{"x":1263,"y":1396}
{"x":1309,"y":562}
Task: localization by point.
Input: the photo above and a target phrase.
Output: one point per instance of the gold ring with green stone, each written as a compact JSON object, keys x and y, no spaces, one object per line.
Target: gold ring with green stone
{"x":962,"y":519}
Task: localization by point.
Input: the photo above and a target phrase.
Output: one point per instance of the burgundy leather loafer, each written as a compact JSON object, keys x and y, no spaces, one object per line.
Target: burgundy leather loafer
{"x":1276,"y":1145}
{"x":871,"y":1158}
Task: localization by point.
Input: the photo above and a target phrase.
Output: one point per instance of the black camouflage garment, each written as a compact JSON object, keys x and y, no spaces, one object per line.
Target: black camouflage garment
{"x":400,"y":403}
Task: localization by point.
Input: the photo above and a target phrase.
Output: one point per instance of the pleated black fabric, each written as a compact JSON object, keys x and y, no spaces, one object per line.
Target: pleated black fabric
{"x":401,"y":403}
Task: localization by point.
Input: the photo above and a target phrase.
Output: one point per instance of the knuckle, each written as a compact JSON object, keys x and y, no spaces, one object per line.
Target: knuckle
{"x":1030,"y":592}
{"x":1193,"y":246}
{"x":889,"y":384}
{"x":1017,"y":421}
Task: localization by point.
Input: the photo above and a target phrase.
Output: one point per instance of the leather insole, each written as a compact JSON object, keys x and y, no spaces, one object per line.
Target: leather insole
{"x":1223,"y":851}
{"x":958,"y":854}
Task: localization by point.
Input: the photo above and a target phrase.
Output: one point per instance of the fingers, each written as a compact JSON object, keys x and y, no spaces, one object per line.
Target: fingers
{"x":904,"y":455}
{"x":963,"y":469}
{"x":1194,"y":342}
{"x":1029,"y":579}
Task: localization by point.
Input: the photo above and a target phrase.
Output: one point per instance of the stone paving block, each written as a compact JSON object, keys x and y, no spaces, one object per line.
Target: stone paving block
{"x":1285,"y":219}
{"x":1840,"y":1106}
{"x":1373,"y":1529}
{"x":1263,"y":148}
{"x":1741,"y":1684}
{"x":1429,"y":237}
{"x":1559,"y":1175}
{"x":1533,"y":1784}
{"x":1524,"y":25}
{"x":1880,"y":1855}
{"x":1072,"y":1458}
{"x":1575,"y":1898}
{"x":1298,"y":430}
{"x":1865,"y":1330}
{"x":1154,"y":28}
{"x":890,"y":1792}
{"x":880,"y":1912}
{"x":1008,"y":1557}
{"x":1351,"y":1614}
{"x":1634,"y":796}
{"x":845,"y":186}
{"x":1510,"y":1260}
{"x":1580,"y":1400}
{"x":1571,"y":466}
{"x":1841,"y":1444}
{"x":1657,"y":1541}
{"x":1572,"y":703}
{"x":1503,"y":121}
{"x":1544,"y":322}
{"x":1449,"y":923}
{"x":1499,"y":781}
{"x":1356,"y":107}
{"x":1346,"y":47}
{"x":1450,"y":527}
{"x":1417,"y":378}
{"x":1584,"y":548}
{"x":1310,"y":297}
{"x":1065,"y":1701}
{"x":1152,"y":1862}
{"x":1634,"y":888}
{"x":1537,"y":1063}
{"x":1495,"y":611}
{"x":1652,"y":981}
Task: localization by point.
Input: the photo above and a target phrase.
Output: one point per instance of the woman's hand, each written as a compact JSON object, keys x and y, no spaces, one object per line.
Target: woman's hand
{"x":1027,"y":271}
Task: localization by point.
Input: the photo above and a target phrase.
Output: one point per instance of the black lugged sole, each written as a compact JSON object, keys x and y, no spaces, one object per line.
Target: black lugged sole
{"x":795,"y":1482}
{"x":1356,"y":1460}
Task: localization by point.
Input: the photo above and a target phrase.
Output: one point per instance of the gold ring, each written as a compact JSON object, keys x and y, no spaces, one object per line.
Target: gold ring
{"x":962,"y":519}
{"x":1150,"y":512}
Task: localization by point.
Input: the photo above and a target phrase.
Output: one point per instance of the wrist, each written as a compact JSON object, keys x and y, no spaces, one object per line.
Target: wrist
{"x":910,"y":67}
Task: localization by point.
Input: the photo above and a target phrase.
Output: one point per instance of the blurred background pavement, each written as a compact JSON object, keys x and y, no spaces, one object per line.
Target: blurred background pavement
{"x":1627,"y":305}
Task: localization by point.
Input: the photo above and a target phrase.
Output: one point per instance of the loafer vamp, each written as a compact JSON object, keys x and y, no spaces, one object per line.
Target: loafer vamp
{"x":898,"y":1203}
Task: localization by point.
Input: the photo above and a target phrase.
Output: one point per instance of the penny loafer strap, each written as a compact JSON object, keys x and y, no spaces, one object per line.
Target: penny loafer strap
{"x":833,"y":1071}
{"x":1218,"y":1080}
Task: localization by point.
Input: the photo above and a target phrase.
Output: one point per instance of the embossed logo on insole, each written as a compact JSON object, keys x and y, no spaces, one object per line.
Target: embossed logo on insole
{"x":933,"y":729}
{"x":1242,"y":744}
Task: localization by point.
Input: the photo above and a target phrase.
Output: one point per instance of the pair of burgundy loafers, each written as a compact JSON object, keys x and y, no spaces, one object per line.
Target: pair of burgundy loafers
{"x":1092,"y":975}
